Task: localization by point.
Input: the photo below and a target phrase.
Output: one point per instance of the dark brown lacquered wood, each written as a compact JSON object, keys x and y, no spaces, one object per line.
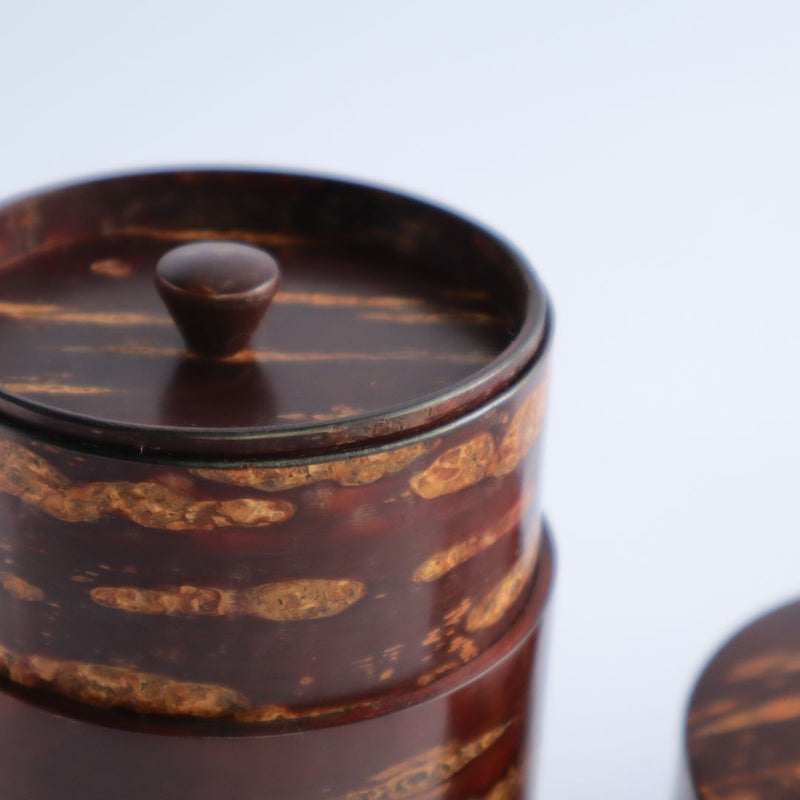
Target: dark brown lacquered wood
{"x":313,"y":568}
{"x":743,"y":726}
{"x":300,"y":583}
{"x":217,"y":293}
{"x":393,"y":316}
{"x":470,"y":737}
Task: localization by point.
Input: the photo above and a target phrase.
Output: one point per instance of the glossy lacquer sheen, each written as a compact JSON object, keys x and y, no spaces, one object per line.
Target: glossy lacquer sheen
{"x":296,"y":584}
{"x":298,"y":557}
{"x":470,"y":738}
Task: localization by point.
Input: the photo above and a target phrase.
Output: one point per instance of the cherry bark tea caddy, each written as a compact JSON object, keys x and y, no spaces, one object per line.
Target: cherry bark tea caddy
{"x":270,"y":521}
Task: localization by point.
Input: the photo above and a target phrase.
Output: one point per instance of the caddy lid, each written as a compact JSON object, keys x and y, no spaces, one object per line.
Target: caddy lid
{"x":391,"y":316}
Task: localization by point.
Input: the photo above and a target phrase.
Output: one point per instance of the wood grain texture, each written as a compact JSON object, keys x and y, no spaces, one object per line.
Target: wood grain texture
{"x":470,"y":739}
{"x":104,"y":686}
{"x":335,"y":532}
{"x":284,"y":601}
{"x":743,"y":725}
{"x":443,"y":562}
{"x":358,"y":471}
{"x":425,"y":771}
{"x":318,"y":582}
{"x":35,"y":481}
{"x":20,"y":588}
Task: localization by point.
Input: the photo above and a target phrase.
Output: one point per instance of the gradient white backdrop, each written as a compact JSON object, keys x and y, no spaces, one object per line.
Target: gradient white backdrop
{"x":643,"y":154}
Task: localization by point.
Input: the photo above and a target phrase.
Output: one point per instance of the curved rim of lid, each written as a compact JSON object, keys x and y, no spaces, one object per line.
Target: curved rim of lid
{"x":354,"y":432}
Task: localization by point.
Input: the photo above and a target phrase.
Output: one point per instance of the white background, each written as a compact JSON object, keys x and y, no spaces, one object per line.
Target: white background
{"x":643,"y":154}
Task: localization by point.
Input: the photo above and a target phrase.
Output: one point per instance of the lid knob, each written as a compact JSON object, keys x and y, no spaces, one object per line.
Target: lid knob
{"x":217,"y":293}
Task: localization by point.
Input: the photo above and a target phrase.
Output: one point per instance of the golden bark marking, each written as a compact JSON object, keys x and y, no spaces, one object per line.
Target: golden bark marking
{"x":425,"y":771}
{"x":54,"y":388}
{"x":303,"y":599}
{"x":457,"y":468}
{"x":267,"y":714}
{"x":469,"y":463}
{"x":522,"y":432}
{"x":444,"y":561}
{"x":33,"y":480}
{"x":20,"y":588}
{"x":33,"y":312}
{"x":768,"y":664}
{"x":171,"y":600}
{"x":434,"y":637}
{"x":781,"y":709}
{"x":392,"y":654}
{"x":274,"y":713}
{"x":120,"y":687}
{"x":431,"y":318}
{"x":193,"y":234}
{"x":729,"y":785}
{"x":494,"y":605}
{"x":111,"y":268}
{"x":714,"y":709}
{"x":336,"y":412}
{"x":455,"y":615}
{"x":380,"y":666}
{"x":284,"y":601}
{"x":42,"y":312}
{"x":320,"y":299}
{"x":449,"y":640}
{"x":464,"y":647}
{"x":366,"y":665}
{"x":346,"y":472}
{"x":507,"y":788}
{"x":432,"y":675}
{"x":284,"y":357}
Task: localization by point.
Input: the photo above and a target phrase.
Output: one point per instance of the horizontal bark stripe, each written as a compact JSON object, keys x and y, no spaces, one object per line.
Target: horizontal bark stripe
{"x":432,"y":318}
{"x":55,"y":313}
{"x":782,"y":709}
{"x":104,"y":686}
{"x":277,"y":356}
{"x":493,"y":607}
{"x":34,"y":312}
{"x":28,"y":476}
{"x":444,"y":561}
{"x":281,"y":601}
{"x":426,"y":771}
{"x":54,"y":388}
{"x":357,"y":471}
{"x":767,"y":665}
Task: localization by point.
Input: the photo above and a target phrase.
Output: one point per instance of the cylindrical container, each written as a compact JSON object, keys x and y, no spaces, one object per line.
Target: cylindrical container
{"x":324,"y":521}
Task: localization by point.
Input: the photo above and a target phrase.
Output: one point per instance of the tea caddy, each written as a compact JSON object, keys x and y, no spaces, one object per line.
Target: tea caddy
{"x":296,"y":556}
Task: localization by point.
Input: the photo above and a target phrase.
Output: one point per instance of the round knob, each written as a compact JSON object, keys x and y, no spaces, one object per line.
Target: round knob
{"x":217,"y":293}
